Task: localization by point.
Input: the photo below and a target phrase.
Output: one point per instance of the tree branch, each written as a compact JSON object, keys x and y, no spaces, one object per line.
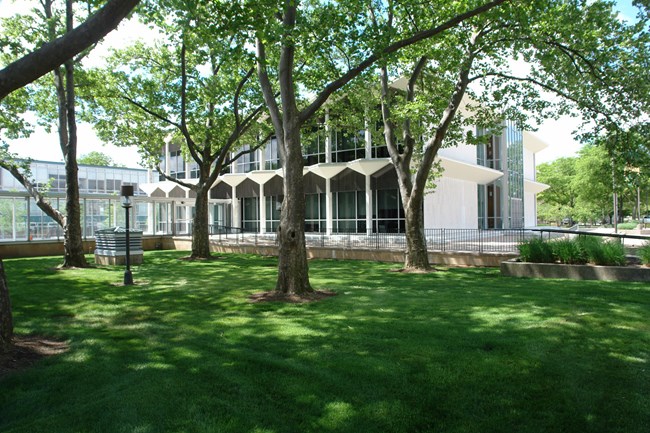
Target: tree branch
{"x":267,"y":89}
{"x":33,"y":191}
{"x":51,"y":55}
{"x":320,"y":99}
{"x":549,"y":88}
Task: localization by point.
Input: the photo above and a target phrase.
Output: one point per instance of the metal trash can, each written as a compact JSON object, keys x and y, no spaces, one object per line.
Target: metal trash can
{"x":110,"y":246}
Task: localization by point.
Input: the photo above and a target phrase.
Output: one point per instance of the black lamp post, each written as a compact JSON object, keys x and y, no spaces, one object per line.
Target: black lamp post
{"x":127,"y":193}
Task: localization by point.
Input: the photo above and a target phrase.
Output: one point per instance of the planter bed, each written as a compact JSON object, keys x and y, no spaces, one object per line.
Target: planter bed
{"x":513,"y":268}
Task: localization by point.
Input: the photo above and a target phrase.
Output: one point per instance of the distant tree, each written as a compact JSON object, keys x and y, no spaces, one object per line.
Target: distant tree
{"x":578,"y":51}
{"x":98,"y":158}
{"x":560,"y":199}
{"x":595,"y":181}
{"x":194,"y":89}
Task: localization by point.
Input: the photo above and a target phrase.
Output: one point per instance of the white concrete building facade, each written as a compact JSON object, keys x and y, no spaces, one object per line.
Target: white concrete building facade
{"x":351,"y":186}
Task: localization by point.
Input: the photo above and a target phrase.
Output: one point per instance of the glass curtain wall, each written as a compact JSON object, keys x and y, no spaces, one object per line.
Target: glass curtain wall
{"x":501,"y":203}
{"x":315,"y":213}
{"x":272,"y":155}
{"x":250,"y":214}
{"x":348,"y":146}
{"x":515,"y":154}
{"x":273,"y":210}
{"x":314,"y":146}
{"x":349,"y":210}
{"x":248,"y":161}
{"x":388,"y":213}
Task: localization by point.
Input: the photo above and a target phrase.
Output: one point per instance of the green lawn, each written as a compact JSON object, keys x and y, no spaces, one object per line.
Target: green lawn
{"x":461,"y":350}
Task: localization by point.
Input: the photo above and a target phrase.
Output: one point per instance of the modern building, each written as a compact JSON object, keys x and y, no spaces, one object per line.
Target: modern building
{"x":99,"y":189}
{"x":351,"y":185}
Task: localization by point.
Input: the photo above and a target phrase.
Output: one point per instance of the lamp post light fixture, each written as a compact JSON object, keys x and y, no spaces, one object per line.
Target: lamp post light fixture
{"x":126,"y":193}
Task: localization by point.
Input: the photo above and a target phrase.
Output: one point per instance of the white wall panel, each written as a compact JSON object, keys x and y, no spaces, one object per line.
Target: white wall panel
{"x":453,"y":205}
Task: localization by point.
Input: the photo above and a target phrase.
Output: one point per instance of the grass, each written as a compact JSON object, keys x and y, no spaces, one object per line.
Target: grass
{"x":461,"y":350}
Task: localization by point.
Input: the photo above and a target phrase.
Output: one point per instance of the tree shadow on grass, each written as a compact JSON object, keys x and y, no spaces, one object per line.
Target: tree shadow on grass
{"x":459,"y":350}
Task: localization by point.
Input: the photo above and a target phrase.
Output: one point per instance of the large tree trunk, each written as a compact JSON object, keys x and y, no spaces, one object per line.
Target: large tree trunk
{"x":72,"y":233}
{"x":6,"y":321}
{"x":293,"y":270}
{"x":73,"y":255}
{"x":200,"y":225}
{"x":72,"y":240}
{"x":416,"y":244}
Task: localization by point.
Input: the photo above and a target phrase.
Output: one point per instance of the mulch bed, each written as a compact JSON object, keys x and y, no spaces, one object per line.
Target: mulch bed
{"x":28,"y":349}
{"x":291,"y":298}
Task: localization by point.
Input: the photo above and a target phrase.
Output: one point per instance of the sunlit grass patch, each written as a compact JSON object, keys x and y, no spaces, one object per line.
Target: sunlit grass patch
{"x":459,"y":350}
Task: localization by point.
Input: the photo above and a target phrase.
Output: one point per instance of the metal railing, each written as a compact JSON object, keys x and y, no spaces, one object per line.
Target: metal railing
{"x":625,"y":238}
{"x":457,"y":240}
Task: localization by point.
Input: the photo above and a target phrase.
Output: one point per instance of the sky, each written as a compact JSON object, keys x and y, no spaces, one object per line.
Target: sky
{"x":43,"y":146}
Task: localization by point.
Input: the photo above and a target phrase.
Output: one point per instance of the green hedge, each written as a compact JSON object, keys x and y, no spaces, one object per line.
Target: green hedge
{"x":584,"y":249}
{"x":644,"y":254}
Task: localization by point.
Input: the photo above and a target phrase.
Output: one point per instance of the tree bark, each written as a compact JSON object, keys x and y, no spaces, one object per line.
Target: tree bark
{"x":293,"y":269}
{"x":200,"y":223}
{"x":6,"y":320}
{"x":73,"y":255}
{"x":51,"y":55}
{"x":416,"y":244}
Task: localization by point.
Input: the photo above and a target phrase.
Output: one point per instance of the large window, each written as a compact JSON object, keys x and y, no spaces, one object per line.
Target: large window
{"x":163,"y":220}
{"x":349,"y":212}
{"x":315,"y":213}
{"x":248,"y":161}
{"x":313,"y":142}
{"x":98,"y":215}
{"x":250,"y":214}
{"x":388,"y":212}
{"x":348,"y":146}
{"x":272,"y":155}
{"x":41,"y":226}
{"x":273,"y":211}
{"x":501,"y":203}
{"x":220,"y":215}
{"x":176,"y":164}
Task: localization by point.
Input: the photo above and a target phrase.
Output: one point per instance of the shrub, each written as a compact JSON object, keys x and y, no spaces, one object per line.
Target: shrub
{"x":644,"y":254}
{"x":614,"y":254}
{"x":580,"y":251}
{"x":592,"y":247}
{"x":569,"y":252}
{"x":603,"y":253}
{"x":536,"y":250}
{"x":627,"y":226}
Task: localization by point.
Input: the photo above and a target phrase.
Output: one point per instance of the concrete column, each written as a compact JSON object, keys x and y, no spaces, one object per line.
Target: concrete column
{"x":328,"y":139}
{"x":368,"y":205}
{"x":262,"y":202}
{"x":368,"y":137}
{"x":261,"y":157}
{"x":171,"y":210}
{"x":329,"y":202}
{"x":167,"y":158}
{"x":236,"y":218}
{"x":233,"y":165}
{"x":151,"y":218}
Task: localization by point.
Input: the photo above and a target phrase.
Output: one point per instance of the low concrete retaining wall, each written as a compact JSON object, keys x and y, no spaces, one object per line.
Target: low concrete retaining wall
{"x":391,"y":256}
{"x":12,"y":250}
{"x":575,"y":272}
